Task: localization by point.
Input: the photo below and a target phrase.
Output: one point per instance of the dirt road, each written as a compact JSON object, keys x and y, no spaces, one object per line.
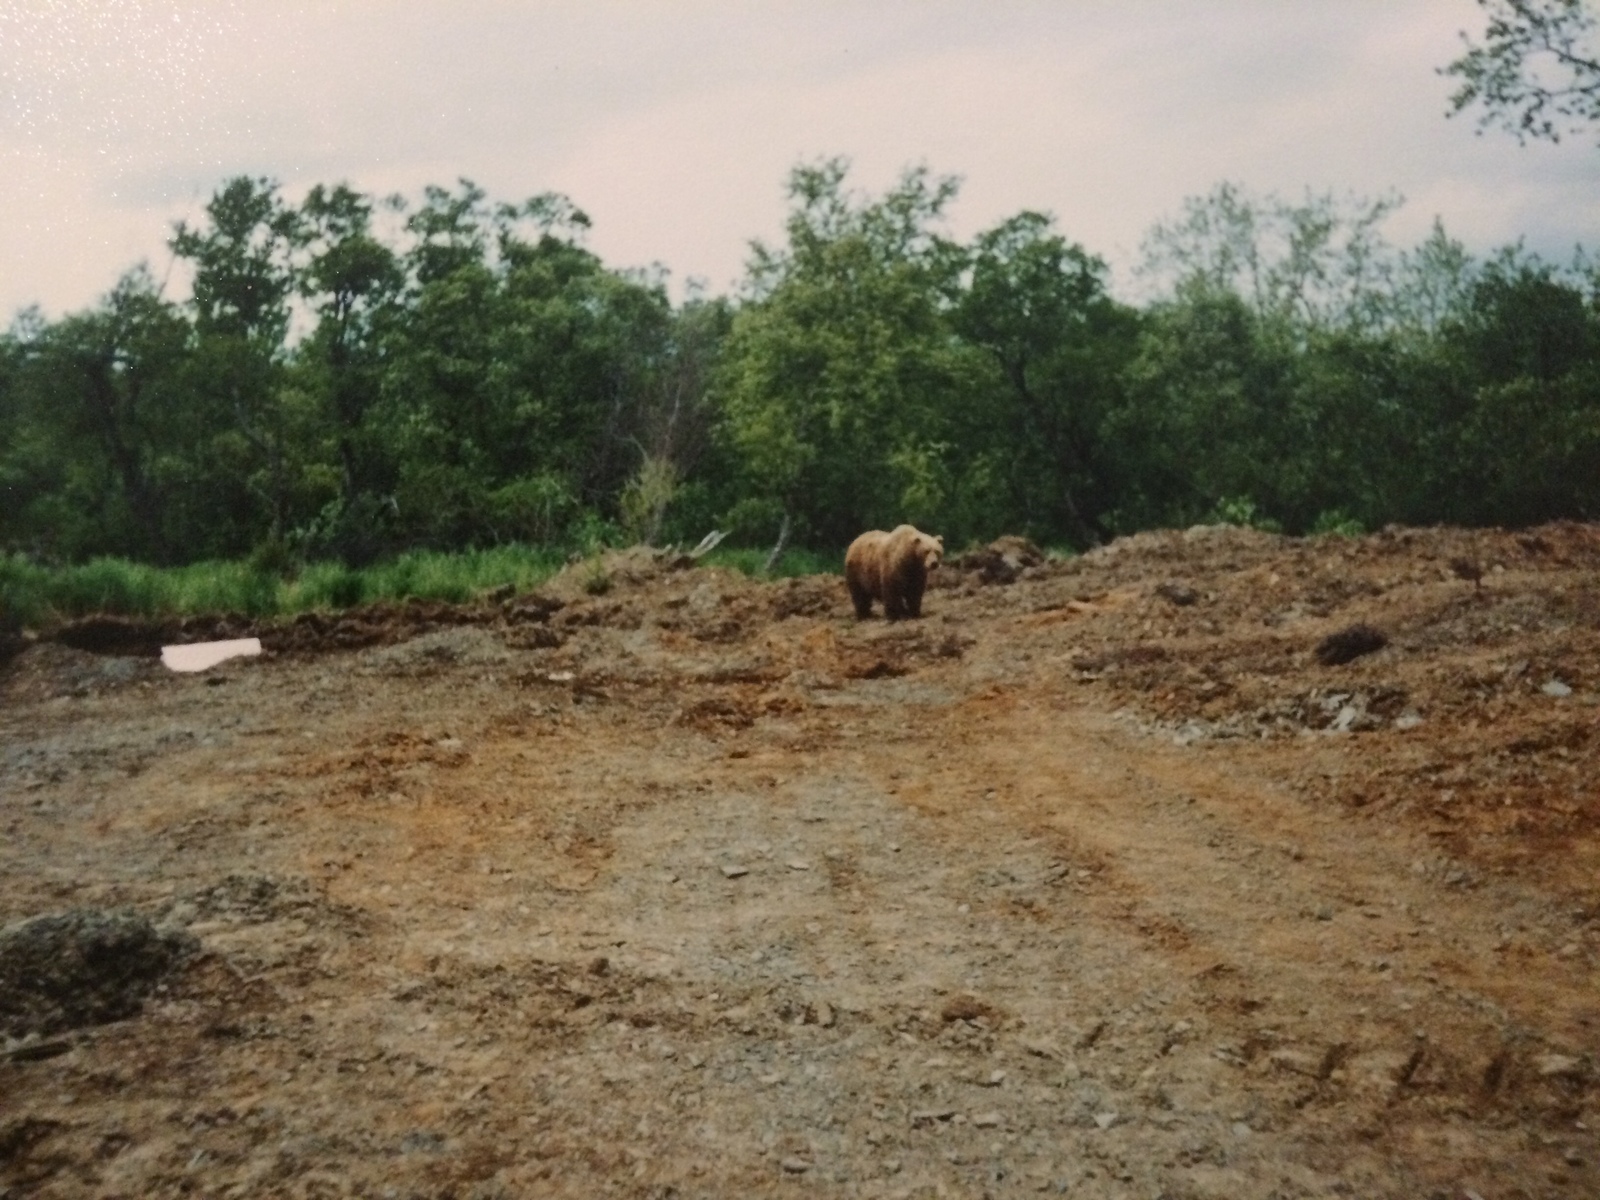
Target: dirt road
{"x":1094,"y":882}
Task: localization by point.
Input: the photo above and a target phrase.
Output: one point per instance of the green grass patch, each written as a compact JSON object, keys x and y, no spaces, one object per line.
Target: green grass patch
{"x":32,"y":596}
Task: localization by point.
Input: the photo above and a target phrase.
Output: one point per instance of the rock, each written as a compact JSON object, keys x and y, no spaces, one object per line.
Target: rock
{"x":823,"y":1012}
{"x":795,"y":1166}
{"x":85,"y":967}
{"x":798,"y":864}
{"x":987,"y":1120}
{"x":1408,"y":720}
{"x":1105,"y":1120}
{"x":1180,"y":594}
{"x":930,"y":1116}
{"x":1559,"y":1066}
{"x":993,"y":1079}
{"x":422,"y":1141}
{"x":1556,"y":688}
{"x":965,"y":1007}
{"x":1349,"y":644}
{"x":733,"y":871}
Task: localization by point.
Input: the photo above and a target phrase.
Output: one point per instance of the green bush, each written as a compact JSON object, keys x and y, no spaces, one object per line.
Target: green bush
{"x":796,"y":561}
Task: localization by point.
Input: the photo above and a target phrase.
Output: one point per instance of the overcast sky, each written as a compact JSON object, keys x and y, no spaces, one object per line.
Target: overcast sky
{"x":674,"y":124}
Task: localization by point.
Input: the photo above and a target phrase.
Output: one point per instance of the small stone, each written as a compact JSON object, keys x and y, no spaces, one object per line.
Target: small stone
{"x":1297,"y":1061}
{"x":824,"y":1014}
{"x":987,"y":1120}
{"x":795,"y":1166}
{"x":1556,"y":688}
{"x":1406,"y":721}
{"x":1553,"y":1066}
{"x":929,"y":1116}
{"x":733,"y":871}
{"x":1325,"y":913}
{"x":1105,"y":1120}
{"x":798,"y":864}
{"x":1240,"y":1129}
{"x":995,"y":1079}
{"x":1573,"y":1156}
{"x":965,"y":1007}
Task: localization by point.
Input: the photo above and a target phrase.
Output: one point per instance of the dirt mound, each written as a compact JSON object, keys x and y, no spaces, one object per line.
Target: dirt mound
{"x":83,"y":967}
{"x":1002,"y":561}
{"x":634,"y":567}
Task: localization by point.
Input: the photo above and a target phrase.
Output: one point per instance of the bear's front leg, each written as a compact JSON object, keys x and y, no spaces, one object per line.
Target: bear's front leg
{"x":862,"y":599}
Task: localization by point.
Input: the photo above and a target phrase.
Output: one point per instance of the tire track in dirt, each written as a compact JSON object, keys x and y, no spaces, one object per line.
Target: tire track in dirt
{"x":1377,"y":992}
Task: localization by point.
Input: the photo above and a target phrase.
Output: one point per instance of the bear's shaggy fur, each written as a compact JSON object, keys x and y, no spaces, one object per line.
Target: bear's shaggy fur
{"x":892,"y":567}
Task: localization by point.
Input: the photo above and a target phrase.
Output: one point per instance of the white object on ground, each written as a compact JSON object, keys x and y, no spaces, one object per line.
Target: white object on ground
{"x":197,"y":656}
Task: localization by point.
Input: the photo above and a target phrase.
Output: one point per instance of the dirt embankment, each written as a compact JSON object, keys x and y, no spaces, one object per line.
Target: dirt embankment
{"x":1209,"y":864}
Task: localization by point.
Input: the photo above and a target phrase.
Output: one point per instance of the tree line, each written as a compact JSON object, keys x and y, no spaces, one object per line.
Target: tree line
{"x":351,"y":377}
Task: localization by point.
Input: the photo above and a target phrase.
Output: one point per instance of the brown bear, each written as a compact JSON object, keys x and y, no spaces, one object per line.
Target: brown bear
{"x":891,"y":567}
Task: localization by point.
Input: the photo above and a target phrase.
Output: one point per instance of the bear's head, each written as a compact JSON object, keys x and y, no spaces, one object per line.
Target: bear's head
{"x":932,"y":550}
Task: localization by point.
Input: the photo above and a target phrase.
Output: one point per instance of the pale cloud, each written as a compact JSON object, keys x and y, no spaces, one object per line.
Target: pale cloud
{"x":674,"y":124}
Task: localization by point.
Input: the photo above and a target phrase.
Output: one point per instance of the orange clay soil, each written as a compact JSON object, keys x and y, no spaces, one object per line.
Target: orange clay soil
{"x":1096,"y":882}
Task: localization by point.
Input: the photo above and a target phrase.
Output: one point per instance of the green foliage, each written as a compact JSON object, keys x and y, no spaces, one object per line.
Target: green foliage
{"x":795,"y":562}
{"x":644,"y":500}
{"x":1241,"y":510}
{"x":32,"y":595}
{"x":1336,"y":523}
{"x":539,"y":509}
{"x":839,"y":373}
{"x":339,"y":415}
{"x":595,"y":579}
{"x":1537,"y":71}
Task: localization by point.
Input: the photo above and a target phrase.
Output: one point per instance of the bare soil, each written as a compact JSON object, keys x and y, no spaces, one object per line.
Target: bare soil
{"x":1099,"y":880}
